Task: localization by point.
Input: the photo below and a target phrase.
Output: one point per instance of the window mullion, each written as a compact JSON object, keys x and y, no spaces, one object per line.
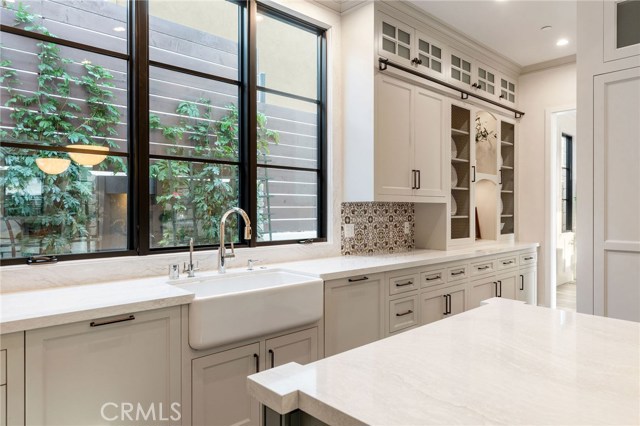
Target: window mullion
{"x":249,"y":125}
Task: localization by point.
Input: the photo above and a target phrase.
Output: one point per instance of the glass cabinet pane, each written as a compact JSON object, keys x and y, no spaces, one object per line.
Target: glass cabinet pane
{"x":627,"y":23}
{"x":486,"y":143}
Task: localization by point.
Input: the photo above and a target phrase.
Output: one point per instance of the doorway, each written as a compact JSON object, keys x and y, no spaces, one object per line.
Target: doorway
{"x":561,"y":223}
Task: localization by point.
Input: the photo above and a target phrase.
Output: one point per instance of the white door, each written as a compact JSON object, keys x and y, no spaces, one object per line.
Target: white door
{"x":300,"y":347}
{"x":616,"y":195}
{"x":82,"y":373}
{"x":432,"y":306}
{"x":394,"y":147}
{"x":527,"y":285}
{"x":457,"y":299}
{"x":507,"y":284}
{"x":482,"y":290}
{"x":219,"y":388}
{"x":429,"y":128}
{"x":353,"y":312}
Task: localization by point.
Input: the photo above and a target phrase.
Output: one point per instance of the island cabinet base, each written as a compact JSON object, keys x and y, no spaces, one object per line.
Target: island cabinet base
{"x":294,"y":418}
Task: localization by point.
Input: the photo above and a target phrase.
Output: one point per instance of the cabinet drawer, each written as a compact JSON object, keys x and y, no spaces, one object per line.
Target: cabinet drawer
{"x":435,"y":277}
{"x":456,"y":273}
{"x":484,"y":267}
{"x":508,"y":262}
{"x":3,"y":367}
{"x":528,"y":259}
{"x":403,"y":313}
{"x":403,"y":283}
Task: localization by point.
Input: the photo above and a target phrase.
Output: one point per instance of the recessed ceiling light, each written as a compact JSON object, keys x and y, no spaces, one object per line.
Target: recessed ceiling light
{"x":119,"y":29}
{"x":545,"y":28}
{"x":562,"y":42}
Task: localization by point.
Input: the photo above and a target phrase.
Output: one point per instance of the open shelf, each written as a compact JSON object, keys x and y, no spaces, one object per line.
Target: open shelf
{"x":505,"y":143}
{"x":459,"y":188}
{"x":458,"y":132}
{"x":459,"y":160}
{"x":459,"y":217}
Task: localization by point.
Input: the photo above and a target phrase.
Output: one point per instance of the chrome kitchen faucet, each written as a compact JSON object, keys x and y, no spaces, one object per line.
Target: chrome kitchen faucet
{"x":247,"y":236}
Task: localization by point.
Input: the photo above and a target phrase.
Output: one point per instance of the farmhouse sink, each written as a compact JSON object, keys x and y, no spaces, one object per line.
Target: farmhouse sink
{"x":237,"y":306}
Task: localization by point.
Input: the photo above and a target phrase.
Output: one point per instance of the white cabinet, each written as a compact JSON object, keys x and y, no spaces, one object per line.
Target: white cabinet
{"x":507,"y":284}
{"x":527,"y":286}
{"x":219,"y":387}
{"x":12,"y":379}
{"x":480,"y":290}
{"x":354,"y":312}
{"x":403,"y":313}
{"x":409,"y":155}
{"x":82,"y":373}
{"x":438,"y":304}
{"x":621,"y":29}
{"x":300,"y":347}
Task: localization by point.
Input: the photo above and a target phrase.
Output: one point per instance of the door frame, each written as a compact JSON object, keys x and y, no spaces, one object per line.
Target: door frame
{"x":550,"y":202}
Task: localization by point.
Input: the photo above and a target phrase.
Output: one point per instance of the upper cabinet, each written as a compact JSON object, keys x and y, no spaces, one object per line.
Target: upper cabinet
{"x":621,"y":29}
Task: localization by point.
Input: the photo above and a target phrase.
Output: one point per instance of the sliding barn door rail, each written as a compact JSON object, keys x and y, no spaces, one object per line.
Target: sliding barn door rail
{"x":383,"y":63}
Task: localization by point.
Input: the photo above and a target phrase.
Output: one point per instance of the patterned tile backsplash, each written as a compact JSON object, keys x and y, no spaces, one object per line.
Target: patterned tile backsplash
{"x":376,"y":228}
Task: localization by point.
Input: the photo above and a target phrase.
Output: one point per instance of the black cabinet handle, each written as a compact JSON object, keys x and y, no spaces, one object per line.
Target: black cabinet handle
{"x":495,"y":283}
{"x":434,"y":277}
{"x":500,"y":177}
{"x":272,"y":355}
{"x":455,"y":274}
{"x":474,"y":173}
{"x":413,"y":179}
{"x":500,"y":287}
{"x":355,"y":280}
{"x":404,"y":284}
{"x":419,"y":180}
{"x":111,"y":321}
{"x":528,"y":258}
{"x":521,"y":282}
{"x":416,"y":61}
{"x":257,"y":358}
{"x":447,"y":304}
{"x":405,"y":313}
{"x":483,"y":268}
{"x":507,"y":262}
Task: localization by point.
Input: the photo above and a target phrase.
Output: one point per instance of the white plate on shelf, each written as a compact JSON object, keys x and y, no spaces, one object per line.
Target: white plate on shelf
{"x":454,"y":149}
{"x":454,"y":177}
{"x":454,"y":206}
{"x":501,"y":206}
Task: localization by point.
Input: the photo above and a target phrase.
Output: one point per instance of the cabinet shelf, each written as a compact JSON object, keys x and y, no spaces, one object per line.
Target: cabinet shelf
{"x":506,"y":215}
{"x":455,"y":132}
{"x":459,"y":160}
{"x":506,"y":192}
{"x":460,"y":217}
{"x":507,"y":167}
{"x":506,"y":143}
{"x":459,"y":188}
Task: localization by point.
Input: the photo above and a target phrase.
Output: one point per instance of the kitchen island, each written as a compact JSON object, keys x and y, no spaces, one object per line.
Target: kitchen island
{"x":502,"y":363}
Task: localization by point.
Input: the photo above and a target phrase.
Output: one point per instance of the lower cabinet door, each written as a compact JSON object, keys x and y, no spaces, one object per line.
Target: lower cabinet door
{"x":116,"y":370}
{"x":443,"y":303}
{"x":300,"y":347}
{"x":527,"y":286}
{"x":482,"y":290}
{"x":507,"y":284}
{"x":219,"y":388}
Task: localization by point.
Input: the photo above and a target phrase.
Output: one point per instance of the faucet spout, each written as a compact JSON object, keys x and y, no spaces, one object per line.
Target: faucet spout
{"x":222,"y":256}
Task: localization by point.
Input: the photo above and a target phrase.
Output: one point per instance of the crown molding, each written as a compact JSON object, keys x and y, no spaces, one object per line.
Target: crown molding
{"x":553,"y":63}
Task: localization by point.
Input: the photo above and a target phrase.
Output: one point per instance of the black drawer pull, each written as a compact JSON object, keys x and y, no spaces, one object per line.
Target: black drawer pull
{"x":404,"y":284}
{"x":272,"y":355}
{"x":457,"y":273}
{"x":483,"y":268}
{"x":507,"y":262}
{"x":500,"y":287}
{"x":521,"y":282}
{"x":405,"y":313}
{"x":433,"y":277}
{"x":111,"y":321}
{"x":528,"y":258}
{"x":257,"y":358}
{"x":355,"y":280}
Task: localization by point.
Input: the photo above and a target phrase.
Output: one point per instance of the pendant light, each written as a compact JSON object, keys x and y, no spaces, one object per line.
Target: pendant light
{"x":88,"y":159}
{"x":53,"y":166}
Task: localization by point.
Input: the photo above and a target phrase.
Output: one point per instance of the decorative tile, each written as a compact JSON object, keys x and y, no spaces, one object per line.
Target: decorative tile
{"x":378,"y":228}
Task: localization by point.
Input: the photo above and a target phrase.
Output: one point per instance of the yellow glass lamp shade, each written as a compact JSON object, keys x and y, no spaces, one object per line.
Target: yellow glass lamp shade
{"x":53,"y":166}
{"x":88,"y":159}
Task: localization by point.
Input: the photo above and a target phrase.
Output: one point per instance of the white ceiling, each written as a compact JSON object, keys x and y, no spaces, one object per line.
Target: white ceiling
{"x":511,"y":27}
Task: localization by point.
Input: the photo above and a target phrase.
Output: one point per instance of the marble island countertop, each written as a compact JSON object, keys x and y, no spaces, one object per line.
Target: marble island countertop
{"x":502,"y":363}
{"x":26,"y":310}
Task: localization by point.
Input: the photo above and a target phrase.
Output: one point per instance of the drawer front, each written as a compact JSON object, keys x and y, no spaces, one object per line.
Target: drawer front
{"x":508,"y":262}
{"x":456,"y":273}
{"x":403,"y":313}
{"x":3,"y":367}
{"x":435,"y":277}
{"x":403,"y":283}
{"x":482,"y":268}
{"x":528,"y":259}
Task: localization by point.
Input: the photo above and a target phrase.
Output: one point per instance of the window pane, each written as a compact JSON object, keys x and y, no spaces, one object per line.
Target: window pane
{"x":287,"y":132}
{"x":455,"y":61}
{"x":388,"y":30}
{"x":466,"y":78}
{"x":288,"y":57}
{"x":404,"y":37}
{"x":58,"y":96}
{"x":627,"y":25}
{"x":423,"y":45}
{"x":192,"y":116}
{"x":466,"y":66}
{"x":82,"y":209}
{"x":404,"y":51}
{"x":197,"y":35}
{"x":187,"y":201}
{"x":435,"y":51}
{"x":96,"y":23}
{"x":388,"y":45}
{"x":287,"y":205}
{"x":436,"y":66}
{"x":455,"y":74}
{"x":482,"y":73}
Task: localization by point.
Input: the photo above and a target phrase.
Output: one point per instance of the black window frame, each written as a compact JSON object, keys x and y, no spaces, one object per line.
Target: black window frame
{"x":138,"y":123}
{"x":567,"y":171}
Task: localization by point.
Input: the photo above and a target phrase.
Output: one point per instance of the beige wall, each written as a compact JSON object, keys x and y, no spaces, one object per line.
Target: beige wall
{"x":539,"y":91}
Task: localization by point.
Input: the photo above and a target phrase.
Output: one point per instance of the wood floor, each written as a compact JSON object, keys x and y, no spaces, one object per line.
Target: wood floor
{"x":566,"y":296}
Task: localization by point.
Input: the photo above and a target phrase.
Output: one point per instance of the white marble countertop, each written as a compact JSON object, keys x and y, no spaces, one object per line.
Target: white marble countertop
{"x":332,"y":268}
{"x":28,"y":310}
{"x":503,"y":363}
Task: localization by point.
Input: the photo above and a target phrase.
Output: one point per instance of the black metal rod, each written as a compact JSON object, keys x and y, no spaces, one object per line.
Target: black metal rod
{"x":75,"y":149}
{"x":299,"y":169}
{"x":195,"y":73}
{"x":383,"y":63}
{"x":192,"y":159}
